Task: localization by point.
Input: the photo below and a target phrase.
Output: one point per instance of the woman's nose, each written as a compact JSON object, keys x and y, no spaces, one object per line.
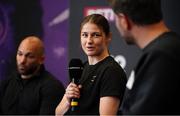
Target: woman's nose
{"x":89,"y":39}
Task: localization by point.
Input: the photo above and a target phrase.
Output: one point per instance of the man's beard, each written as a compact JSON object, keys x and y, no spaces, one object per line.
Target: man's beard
{"x":129,"y":40}
{"x":28,"y":71}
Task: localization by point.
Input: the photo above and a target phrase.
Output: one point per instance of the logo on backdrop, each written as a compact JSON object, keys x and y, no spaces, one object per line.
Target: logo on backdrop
{"x":121,"y":60}
{"x":3,"y":25}
{"x":105,"y":11}
{"x":131,"y":80}
{"x":60,"y":18}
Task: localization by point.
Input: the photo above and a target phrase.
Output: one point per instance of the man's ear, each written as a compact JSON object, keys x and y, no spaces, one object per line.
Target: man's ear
{"x":124,"y":21}
{"x":41,"y":59}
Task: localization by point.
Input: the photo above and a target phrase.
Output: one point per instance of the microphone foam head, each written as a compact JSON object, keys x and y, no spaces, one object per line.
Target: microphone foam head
{"x":75,"y":69}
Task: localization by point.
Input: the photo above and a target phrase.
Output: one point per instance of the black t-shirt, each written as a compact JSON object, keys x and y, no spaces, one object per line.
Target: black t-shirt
{"x":157,"y":79}
{"x":106,"y":78}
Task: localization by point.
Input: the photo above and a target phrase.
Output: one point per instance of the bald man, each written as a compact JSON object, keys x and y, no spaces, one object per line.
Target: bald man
{"x":31,"y":89}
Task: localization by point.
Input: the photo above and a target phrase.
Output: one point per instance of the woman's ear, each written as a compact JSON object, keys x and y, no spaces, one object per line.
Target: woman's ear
{"x":109,"y":37}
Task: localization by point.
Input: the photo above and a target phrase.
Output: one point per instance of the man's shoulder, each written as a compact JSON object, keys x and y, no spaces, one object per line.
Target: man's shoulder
{"x":167,"y":45}
{"x":47,"y":78}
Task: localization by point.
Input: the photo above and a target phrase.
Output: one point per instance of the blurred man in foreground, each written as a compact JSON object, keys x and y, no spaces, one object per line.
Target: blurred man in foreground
{"x":153,"y":86}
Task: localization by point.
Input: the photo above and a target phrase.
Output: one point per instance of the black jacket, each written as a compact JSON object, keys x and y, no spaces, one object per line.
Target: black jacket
{"x":37,"y":95}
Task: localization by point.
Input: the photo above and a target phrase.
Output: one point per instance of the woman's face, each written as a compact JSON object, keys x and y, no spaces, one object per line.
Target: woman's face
{"x":93,"y":40}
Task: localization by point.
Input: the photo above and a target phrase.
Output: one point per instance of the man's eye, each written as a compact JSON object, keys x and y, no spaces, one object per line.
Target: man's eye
{"x":31,"y":56}
{"x":19,"y":54}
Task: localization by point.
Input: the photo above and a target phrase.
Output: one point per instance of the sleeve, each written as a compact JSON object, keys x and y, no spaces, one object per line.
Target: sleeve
{"x":113,"y":82}
{"x":156,"y":83}
{"x":51,"y":94}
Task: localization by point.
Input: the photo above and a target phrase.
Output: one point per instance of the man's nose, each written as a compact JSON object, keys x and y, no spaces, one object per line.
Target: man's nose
{"x":22,"y":59}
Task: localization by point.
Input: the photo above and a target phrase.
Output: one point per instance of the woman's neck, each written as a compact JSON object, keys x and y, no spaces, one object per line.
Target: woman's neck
{"x":95,"y":59}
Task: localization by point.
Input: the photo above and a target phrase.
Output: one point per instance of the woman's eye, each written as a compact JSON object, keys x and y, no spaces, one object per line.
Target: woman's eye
{"x":96,"y":35}
{"x":84,"y":35}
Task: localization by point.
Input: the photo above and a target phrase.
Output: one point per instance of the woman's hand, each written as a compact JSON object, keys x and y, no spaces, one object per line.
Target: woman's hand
{"x":72,"y":91}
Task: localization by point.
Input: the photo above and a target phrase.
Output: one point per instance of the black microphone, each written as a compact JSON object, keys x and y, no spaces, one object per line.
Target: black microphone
{"x":75,"y":72}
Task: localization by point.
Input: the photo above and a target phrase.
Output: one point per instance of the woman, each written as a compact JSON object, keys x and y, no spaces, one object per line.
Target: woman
{"x":103,"y":81}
